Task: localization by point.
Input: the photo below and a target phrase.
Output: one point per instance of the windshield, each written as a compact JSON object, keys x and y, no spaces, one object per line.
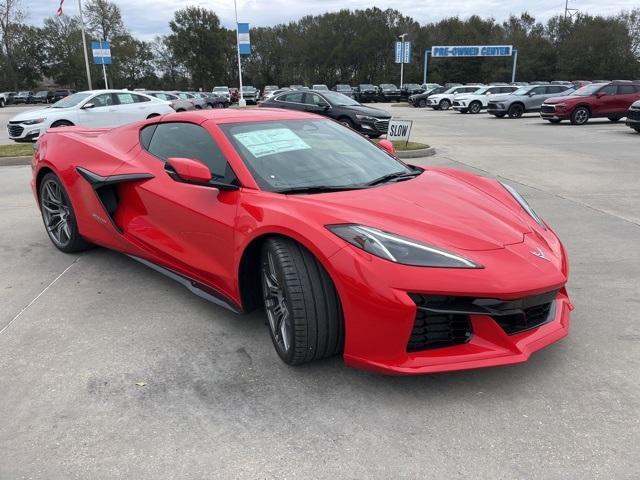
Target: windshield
{"x":588,"y":90}
{"x":412,"y":85}
{"x":388,"y":86}
{"x":42,"y":93}
{"x":221,"y":89}
{"x":71,"y":100}
{"x":343,"y":88}
{"x":339,"y":99}
{"x":320,"y":87}
{"x":366,"y":86}
{"x":248,"y":89}
{"x":308,"y":153}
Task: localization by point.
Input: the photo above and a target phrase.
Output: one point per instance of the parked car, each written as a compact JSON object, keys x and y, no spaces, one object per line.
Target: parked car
{"x":344,"y":89}
{"x":365,"y":92}
{"x":61,"y":93}
{"x":388,"y":92}
{"x":371,"y":121}
{"x":223,"y":92}
{"x":319,"y":87}
{"x":268,"y":89}
{"x":580,"y":83}
{"x":43,"y":96}
{"x":524,"y":100}
{"x":298,"y":87}
{"x":598,"y":100}
{"x":420,"y":100}
{"x":451,"y":85}
{"x":198,"y":102}
{"x":212,"y":100}
{"x":250,"y":94}
{"x":443,"y":101}
{"x":95,"y":108}
{"x":175,"y":102}
{"x":408,"y":89}
{"x":6,"y":98}
{"x":273,"y":93}
{"x":26,"y":96}
{"x":633,"y":116}
{"x":476,"y":101}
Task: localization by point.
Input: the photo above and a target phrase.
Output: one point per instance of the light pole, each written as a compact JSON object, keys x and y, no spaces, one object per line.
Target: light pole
{"x":401,"y":37}
{"x":242,"y":102}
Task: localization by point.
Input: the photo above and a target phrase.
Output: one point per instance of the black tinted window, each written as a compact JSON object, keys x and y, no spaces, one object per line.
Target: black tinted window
{"x":292,"y":97}
{"x":555,"y":89}
{"x":538,"y":90}
{"x":187,"y":140}
{"x":626,"y":89}
{"x":609,"y":90}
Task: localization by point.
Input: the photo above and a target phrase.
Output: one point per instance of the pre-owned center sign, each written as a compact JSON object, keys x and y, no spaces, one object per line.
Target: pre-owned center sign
{"x":472,"y":51}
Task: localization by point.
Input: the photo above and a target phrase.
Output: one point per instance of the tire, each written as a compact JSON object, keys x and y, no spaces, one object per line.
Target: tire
{"x":61,"y":123}
{"x":58,"y":216}
{"x":422,"y":103}
{"x":554,"y":120}
{"x":475,"y":107}
{"x":614,"y":119}
{"x":444,"y":104}
{"x":515,"y":111}
{"x":580,"y":116}
{"x":637,"y":129}
{"x":302,"y":305}
{"x":346,"y":121}
{"x":1,"y":102}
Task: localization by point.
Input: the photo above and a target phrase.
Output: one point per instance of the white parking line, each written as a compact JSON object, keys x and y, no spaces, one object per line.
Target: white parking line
{"x":38,"y":296}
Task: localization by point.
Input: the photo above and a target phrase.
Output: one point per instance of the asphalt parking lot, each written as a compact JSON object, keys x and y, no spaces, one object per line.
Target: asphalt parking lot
{"x":109,"y":370}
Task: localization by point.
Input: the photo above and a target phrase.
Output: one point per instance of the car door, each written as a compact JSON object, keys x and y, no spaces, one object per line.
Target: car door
{"x":314,"y":103}
{"x":291,"y":101}
{"x":537,"y":95}
{"x":99,"y":112}
{"x":187,"y":227}
{"x":627,"y":95}
{"x":605,"y":101}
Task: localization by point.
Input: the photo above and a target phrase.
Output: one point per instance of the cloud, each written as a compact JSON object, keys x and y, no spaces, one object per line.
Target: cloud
{"x":148,"y":18}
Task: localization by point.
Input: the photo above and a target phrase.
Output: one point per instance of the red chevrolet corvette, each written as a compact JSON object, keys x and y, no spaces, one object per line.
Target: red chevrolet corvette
{"x":402,"y":269}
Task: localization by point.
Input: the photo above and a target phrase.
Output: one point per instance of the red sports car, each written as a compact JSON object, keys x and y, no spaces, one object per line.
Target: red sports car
{"x":403,"y":269}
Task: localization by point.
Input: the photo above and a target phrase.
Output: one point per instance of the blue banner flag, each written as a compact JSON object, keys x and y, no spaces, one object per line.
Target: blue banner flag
{"x":244,"y":41}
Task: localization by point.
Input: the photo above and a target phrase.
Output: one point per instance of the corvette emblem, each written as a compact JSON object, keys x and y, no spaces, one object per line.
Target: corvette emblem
{"x":538,"y":252}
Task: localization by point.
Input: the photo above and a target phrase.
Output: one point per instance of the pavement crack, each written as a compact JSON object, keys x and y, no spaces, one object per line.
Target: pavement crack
{"x":38,"y":296}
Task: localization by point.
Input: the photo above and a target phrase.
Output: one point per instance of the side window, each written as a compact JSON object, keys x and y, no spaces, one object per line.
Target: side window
{"x":139,"y":98}
{"x":102,"y":100}
{"x":508,"y":89}
{"x":292,"y":97}
{"x":554,"y":89}
{"x":609,"y":90}
{"x":626,"y":89}
{"x":315,"y":99}
{"x":538,"y":90}
{"x":146,"y":134}
{"x":188,"y":140}
{"x":125,"y":98}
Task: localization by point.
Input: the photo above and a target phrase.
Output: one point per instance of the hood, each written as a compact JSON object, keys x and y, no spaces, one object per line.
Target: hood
{"x":566,"y":98}
{"x":366,"y":110}
{"x":434,"y":208}
{"x":33,"y":114}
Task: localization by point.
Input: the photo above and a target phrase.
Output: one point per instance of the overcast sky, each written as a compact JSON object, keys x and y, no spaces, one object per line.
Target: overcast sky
{"x":148,"y":18}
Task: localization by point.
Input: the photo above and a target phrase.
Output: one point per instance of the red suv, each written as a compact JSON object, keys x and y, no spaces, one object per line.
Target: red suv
{"x":611,"y":100}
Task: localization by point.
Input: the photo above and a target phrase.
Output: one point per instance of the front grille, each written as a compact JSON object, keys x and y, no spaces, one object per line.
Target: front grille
{"x":443,"y":321}
{"x":492,"y":106}
{"x":456,"y":104}
{"x":15,"y":130}
{"x":381,"y":125}
{"x":548,"y":108}
{"x":634,"y":114}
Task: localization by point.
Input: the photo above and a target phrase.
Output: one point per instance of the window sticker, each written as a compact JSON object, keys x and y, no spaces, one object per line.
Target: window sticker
{"x":271,"y":141}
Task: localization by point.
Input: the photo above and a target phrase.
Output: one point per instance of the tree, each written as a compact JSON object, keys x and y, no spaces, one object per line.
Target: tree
{"x":64,"y":58}
{"x":11,"y":18}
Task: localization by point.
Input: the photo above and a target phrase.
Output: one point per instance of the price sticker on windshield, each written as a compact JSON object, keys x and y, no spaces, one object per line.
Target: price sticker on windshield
{"x":399,"y":130}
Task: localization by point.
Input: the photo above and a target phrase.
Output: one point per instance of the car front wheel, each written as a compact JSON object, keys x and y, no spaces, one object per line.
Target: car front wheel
{"x":516,"y":111}
{"x":58,"y":216}
{"x":444,"y":104}
{"x":303,"y":310}
{"x":475,"y":107}
{"x":422,"y":103}
{"x":580,"y":116}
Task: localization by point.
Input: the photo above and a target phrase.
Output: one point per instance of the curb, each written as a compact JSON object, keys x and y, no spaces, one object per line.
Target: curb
{"x":423,"y":152}
{"x":10,"y":161}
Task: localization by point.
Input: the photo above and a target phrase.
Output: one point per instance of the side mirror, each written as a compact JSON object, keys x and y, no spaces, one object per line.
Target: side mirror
{"x":188,"y":170}
{"x":88,"y":105}
{"x":388,"y":147}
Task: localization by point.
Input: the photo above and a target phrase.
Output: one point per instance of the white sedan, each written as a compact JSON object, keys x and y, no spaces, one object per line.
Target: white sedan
{"x":96,"y":108}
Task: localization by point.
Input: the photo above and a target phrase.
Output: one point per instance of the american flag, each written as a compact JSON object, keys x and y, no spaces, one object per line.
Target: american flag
{"x":60,"y":8}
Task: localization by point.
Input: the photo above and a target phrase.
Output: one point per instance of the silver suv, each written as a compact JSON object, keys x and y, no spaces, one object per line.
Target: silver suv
{"x":525,"y":99}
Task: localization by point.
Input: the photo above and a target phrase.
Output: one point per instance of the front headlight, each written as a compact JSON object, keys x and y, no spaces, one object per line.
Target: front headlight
{"x":523,"y":203}
{"x":34,"y":121}
{"x":398,"y":249}
{"x":366,"y":117}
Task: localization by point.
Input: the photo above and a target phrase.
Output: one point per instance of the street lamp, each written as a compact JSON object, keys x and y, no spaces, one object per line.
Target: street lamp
{"x":401,"y":37}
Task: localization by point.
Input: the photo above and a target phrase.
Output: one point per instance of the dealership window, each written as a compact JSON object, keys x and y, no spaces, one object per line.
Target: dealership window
{"x":187,"y":140}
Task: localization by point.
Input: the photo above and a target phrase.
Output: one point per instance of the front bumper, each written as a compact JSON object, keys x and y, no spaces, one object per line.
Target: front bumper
{"x":549,"y":112}
{"x":633,"y":118}
{"x":380,"y":309}
{"x":20,"y":132}
{"x":379,"y":126}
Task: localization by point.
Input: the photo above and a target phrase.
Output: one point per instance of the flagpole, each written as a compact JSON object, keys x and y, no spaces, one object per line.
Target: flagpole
{"x":241,"y":102}
{"x":84,"y":45}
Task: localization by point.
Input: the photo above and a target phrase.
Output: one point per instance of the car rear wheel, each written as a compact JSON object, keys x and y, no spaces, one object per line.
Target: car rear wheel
{"x":580,"y":116}
{"x":444,"y":104}
{"x":637,"y":129}
{"x":475,"y":107}
{"x":1,"y":102}
{"x":58,"y":216}
{"x":516,"y":110}
{"x":302,"y":305}
{"x":61,"y":123}
{"x":554,"y":120}
{"x":422,"y":103}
